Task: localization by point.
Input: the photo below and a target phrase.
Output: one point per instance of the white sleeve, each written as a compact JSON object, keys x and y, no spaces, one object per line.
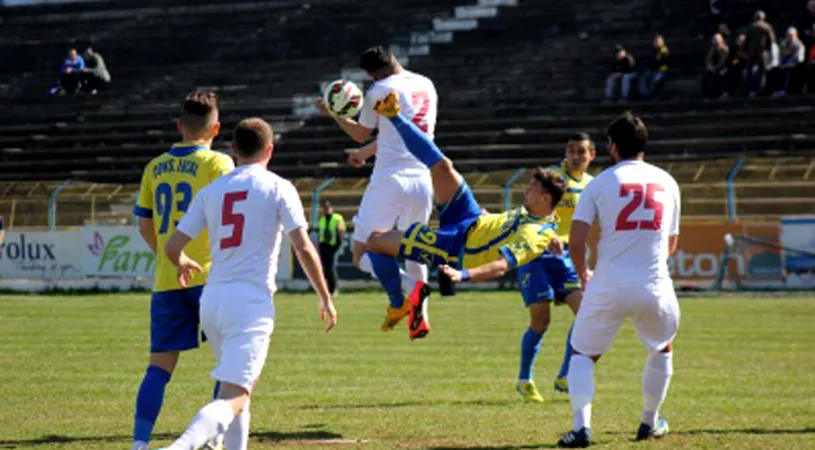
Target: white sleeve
{"x":368,"y":118}
{"x":290,"y":208}
{"x":586,"y":209}
{"x":677,"y":199}
{"x":194,"y":220}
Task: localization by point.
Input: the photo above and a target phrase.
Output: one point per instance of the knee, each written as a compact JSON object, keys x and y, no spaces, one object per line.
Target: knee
{"x":444,"y":166}
{"x":539,"y":325}
{"x":374,"y":240}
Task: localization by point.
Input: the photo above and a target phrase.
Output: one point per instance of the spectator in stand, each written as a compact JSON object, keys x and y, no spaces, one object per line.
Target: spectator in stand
{"x":2,"y":230}
{"x":622,"y":74}
{"x":793,"y":56}
{"x":718,"y":57}
{"x":758,"y":47}
{"x":810,"y":67}
{"x":96,"y":71}
{"x":724,"y":30}
{"x":653,"y":79}
{"x":71,"y":72}
{"x":734,"y":81}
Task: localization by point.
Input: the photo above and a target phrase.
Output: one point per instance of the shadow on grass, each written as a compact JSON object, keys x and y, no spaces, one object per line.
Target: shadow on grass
{"x":497,"y":447}
{"x":263,"y":436}
{"x":714,"y":431}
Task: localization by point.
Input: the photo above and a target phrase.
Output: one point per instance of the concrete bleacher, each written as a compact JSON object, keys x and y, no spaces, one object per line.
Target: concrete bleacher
{"x":511,"y":90}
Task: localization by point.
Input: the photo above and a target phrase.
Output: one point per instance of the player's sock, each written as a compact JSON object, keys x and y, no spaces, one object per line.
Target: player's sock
{"x":530,"y":344}
{"x":407,"y":281}
{"x":237,"y":435}
{"x":567,"y":357}
{"x":148,"y":402}
{"x":387,"y":271}
{"x":655,"y":380}
{"x":418,"y":272}
{"x":417,"y":142}
{"x":581,"y":390}
{"x":211,"y":420}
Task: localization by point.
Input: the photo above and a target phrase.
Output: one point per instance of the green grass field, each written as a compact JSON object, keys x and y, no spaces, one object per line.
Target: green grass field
{"x":744,"y":377}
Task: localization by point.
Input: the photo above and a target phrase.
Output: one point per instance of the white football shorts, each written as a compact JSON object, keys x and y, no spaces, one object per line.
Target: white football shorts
{"x":238,"y":323}
{"x":653,"y":310}
{"x":395,"y":200}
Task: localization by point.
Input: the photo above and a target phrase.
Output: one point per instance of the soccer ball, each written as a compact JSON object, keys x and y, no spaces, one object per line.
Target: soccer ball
{"x":343,"y":98}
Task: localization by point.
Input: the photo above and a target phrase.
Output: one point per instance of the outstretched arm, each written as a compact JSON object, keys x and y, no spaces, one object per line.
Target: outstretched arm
{"x":310,"y":261}
{"x":484,"y":272}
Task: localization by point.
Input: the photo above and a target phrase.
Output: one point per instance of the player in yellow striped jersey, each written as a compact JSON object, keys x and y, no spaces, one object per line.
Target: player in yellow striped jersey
{"x":552,"y":277}
{"x":169,"y":183}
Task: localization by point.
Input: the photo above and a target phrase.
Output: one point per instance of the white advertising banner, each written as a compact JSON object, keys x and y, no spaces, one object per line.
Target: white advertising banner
{"x":798,"y":233}
{"x":117,"y":252}
{"x":41,"y":255}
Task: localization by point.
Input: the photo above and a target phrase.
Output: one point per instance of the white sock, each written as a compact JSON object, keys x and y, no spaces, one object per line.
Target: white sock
{"x":417,"y":271}
{"x":366,"y":266}
{"x":140,"y":445}
{"x":655,"y":380}
{"x":581,"y":389}
{"x":237,"y":435}
{"x":210,"y":421}
{"x":408,"y":282}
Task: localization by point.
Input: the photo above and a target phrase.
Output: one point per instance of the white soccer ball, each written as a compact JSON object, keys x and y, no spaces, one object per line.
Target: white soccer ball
{"x":343,"y":98}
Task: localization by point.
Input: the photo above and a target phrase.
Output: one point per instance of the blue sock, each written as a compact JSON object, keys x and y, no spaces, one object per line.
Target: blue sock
{"x":564,"y":368}
{"x":530,"y":344}
{"x":148,"y":402}
{"x":386,"y":270}
{"x":417,"y":142}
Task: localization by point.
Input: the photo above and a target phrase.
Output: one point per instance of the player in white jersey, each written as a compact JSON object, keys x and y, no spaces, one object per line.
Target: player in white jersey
{"x":400,"y":191}
{"x":637,"y":206}
{"x":245,"y":213}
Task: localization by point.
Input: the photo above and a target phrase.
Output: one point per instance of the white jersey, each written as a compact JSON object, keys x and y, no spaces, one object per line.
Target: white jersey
{"x":637,"y":206}
{"x":245,"y":213}
{"x":419,"y":102}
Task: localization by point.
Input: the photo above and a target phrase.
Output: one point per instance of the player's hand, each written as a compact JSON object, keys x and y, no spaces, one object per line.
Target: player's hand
{"x":328,"y":314}
{"x":187,"y":269}
{"x":556,"y":246}
{"x":585,"y":277}
{"x":356,"y":159}
{"x":322,"y":109}
{"x":388,"y":106}
{"x":453,"y":274}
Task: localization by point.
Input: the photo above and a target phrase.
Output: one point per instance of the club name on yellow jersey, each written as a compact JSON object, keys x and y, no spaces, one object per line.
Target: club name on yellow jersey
{"x":516,"y":235}
{"x":565,"y":208}
{"x":169,"y":183}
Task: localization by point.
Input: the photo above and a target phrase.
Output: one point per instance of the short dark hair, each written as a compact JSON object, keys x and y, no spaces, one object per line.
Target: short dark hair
{"x":551,"y":182}
{"x":252,"y":136}
{"x":581,"y":137}
{"x":200,"y":110}
{"x":327,"y":204}
{"x":375,"y":59}
{"x":629,"y":134}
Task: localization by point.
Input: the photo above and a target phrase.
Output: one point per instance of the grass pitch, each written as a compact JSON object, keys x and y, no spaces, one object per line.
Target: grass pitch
{"x":744,"y":377}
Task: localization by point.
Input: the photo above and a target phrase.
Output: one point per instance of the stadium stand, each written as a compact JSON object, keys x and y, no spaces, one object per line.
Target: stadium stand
{"x":511,"y":90}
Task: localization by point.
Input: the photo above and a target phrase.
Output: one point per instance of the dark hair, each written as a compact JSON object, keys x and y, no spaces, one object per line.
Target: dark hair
{"x":252,"y":136}
{"x":630,"y":135}
{"x":327,"y":204}
{"x":200,"y":110}
{"x":375,"y":59}
{"x":551,"y":182}
{"x":581,"y":137}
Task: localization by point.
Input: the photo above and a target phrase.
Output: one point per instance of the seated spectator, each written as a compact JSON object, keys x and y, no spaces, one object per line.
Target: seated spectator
{"x":716,"y":64}
{"x":622,"y":74}
{"x":810,"y":67}
{"x":653,"y":79}
{"x":758,"y":47}
{"x":793,"y":57}
{"x":71,"y":72}
{"x":96,"y":72}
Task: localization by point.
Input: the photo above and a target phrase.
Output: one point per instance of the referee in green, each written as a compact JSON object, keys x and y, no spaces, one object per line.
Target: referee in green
{"x":331,"y":227}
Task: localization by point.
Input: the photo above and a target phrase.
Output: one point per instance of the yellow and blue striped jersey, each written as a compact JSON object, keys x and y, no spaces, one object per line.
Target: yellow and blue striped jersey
{"x":169,"y":183}
{"x":565,"y":209}
{"x":516,"y":235}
